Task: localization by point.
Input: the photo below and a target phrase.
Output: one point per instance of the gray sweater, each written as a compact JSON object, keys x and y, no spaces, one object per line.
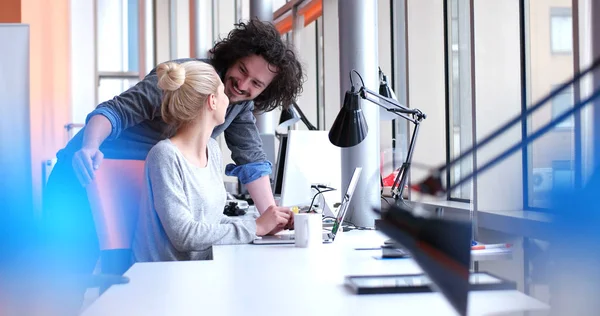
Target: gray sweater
{"x":181,"y":212}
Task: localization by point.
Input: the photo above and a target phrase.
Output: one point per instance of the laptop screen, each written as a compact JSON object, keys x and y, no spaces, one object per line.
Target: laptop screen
{"x":346,"y":202}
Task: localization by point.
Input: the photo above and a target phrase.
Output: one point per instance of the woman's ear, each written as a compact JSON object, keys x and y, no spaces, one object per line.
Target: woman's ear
{"x":212,"y":101}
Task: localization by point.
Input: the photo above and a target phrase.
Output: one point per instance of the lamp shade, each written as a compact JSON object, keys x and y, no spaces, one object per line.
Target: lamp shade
{"x":350,"y":126}
{"x":288,"y":117}
{"x":386,"y":91}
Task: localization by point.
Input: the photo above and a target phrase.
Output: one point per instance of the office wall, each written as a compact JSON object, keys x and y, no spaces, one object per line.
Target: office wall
{"x":50,"y":81}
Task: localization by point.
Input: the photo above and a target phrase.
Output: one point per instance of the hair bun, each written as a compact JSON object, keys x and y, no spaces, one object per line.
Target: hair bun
{"x":171,"y":76}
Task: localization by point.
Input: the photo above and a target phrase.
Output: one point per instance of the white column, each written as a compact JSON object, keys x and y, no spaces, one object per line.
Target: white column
{"x":331,"y":65}
{"x":263,"y":10}
{"x":179,"y":29}
{"x":203,"y":26}
{"x":358,"y":50}
{"x":83,"y":49}
{"x":147,"y":56}
{"x":173,"y":29}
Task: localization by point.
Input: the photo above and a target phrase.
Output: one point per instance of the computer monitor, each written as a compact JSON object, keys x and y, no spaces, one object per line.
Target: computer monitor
{"x":269,"y":146}
{"x":278,"y":180}
{"x":310,"y":159}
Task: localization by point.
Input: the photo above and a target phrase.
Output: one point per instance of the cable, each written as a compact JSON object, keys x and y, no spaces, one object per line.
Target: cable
{"x":352,"y":226}
{"x":316,"y":187}
{"x":329,"y":217}
{"x":349,"y":222}
{"x":359,"y":76}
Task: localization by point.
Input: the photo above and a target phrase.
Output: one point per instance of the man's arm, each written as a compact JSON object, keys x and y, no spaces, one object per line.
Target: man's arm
{"x":140,"y":102}
{"x":137,"y":104}
{"x":243,"y":138}
{"x":262,"y":195}
{"x":252,"y":167}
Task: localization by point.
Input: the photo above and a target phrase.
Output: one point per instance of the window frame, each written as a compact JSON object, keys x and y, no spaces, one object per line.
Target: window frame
{"x":577,"y":164}
{"x":451,"y":48}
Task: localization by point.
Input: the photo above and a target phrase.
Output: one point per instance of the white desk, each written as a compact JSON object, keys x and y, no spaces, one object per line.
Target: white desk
{"x":284,"y":280}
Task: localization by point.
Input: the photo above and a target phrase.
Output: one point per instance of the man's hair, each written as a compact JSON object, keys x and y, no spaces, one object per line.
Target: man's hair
{"x":262,"y":38}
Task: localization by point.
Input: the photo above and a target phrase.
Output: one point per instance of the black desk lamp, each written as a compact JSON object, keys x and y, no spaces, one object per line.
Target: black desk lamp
{"x":292,"y":115}
{"x":350,"y":127}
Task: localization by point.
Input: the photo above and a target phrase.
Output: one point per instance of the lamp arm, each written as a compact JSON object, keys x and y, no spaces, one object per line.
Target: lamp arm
{"x":404,"y":112}
{"x":402,"y":176}
{"x":304,"y":119}
{"x":410,"y":119}
{"x":377,"y":98}
{"x":522,"y":144}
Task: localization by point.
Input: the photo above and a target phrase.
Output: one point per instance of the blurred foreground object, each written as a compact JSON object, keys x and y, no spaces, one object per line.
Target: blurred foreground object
{"x":442,"y":248}
{"x":574,"y":265}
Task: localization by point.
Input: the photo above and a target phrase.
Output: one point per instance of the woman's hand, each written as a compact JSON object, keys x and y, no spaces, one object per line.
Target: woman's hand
{"x":273,"y":220}
{"x":85,"y":163}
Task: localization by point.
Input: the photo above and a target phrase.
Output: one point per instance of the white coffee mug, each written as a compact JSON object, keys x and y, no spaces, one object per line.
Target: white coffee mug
{"x":308,"y":228}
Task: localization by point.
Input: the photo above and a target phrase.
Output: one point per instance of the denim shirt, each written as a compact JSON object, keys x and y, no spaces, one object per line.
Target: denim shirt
{"x":137,"y":126}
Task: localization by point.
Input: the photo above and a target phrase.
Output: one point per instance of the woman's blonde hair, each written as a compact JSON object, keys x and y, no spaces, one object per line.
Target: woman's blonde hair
{"x":186,"y":88}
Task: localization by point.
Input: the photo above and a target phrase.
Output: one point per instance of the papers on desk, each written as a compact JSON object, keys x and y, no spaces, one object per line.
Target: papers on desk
{"x":491,"y":254}
{"x":488,"y":252}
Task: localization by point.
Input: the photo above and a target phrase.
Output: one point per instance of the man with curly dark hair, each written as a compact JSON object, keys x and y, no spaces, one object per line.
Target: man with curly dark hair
{"x":260,"y":73}
{"x":259,"y":39}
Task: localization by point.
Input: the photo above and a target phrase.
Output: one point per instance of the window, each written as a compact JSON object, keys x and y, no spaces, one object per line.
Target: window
{"x":117,"y":46}
{"x":561,"y":30}
{"x":562,"y":103}
{"x":460,"y":98}
{"x":549,"y":158}
{"x":562,"y":174}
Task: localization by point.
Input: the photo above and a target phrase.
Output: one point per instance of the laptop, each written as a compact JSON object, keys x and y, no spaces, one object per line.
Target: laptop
{"x":328,"y":236}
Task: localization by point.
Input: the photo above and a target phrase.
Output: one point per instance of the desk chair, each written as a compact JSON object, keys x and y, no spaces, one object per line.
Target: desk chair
{"x":114,"y":197}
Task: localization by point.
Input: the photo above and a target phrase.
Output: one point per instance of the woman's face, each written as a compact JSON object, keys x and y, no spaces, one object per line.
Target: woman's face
{"x":222,"y":104}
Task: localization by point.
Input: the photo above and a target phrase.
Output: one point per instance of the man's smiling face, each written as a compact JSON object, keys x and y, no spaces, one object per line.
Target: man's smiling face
{"x":248,"y":78}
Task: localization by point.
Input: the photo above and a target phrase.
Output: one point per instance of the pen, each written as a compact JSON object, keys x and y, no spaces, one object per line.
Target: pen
{"x":490,"y":246}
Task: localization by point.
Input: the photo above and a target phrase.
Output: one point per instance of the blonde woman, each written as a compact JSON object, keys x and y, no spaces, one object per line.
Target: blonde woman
{"x":181,"y":214}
